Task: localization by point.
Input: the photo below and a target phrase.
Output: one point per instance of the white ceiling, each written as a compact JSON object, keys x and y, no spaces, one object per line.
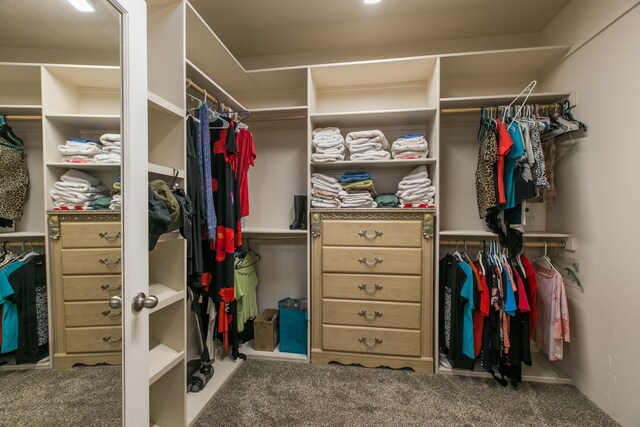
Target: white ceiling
{"x":55,"y":24}
{"x":274,"y":27}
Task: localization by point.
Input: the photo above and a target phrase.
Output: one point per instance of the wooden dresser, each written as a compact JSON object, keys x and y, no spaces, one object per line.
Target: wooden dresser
{"x":372,"y":287}
{"x":86,"y":260}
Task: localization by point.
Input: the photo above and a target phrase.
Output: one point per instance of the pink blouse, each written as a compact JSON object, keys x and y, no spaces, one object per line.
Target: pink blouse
{"x":553,"y":313}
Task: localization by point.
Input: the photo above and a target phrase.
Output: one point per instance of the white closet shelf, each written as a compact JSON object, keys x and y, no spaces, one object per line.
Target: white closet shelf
{"x":485,"y":233}
{"x":372,"y":164}
{"x":158,"y":103}
{"x":376,"y":118}
{"x":275,"y":231}
{"x":276,"y":112}
{"x":87,"y":121}
{"x":165,"y":171}
{"x":20,"y":110}
{"x":496,"y":100}
{"x":541,"y":371}
{"x":166,"y":295}
{"x":200,"y":78}
{"x":85,"y":166}
{"x":22,"y":235}
{"x":276,"y":354}
{"x":108,"y":77}
{"x":223,"y":370}
{"x":161,"y":359}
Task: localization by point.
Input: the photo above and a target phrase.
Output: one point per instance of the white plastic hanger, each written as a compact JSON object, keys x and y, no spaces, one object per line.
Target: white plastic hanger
{"x":528,"y":90}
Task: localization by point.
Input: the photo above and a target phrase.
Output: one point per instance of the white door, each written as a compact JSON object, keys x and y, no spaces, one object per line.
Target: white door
{"x":135,"y":325}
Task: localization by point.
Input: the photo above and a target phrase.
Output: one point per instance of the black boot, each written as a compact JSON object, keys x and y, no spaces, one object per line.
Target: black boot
{"x":300,"y":209}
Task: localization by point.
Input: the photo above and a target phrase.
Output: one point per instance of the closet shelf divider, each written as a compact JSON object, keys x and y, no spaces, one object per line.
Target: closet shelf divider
{"x":166,"y":295}
{"x":159,"y":103}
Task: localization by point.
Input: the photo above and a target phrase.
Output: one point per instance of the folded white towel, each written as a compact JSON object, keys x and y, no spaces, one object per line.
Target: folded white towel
{"x":116,"y":202}
{"x":417,"y":194}
{"x":326,"y":131}
{"x":87,"y":150}
{"x":408,"y":143}
{"x":326,"y":157}
{"x":115,"y":159}
{"x":112,"y":149}
{"x":370,"y":155}
{"x":74,"y":175}
{"x":407,"y":184}
{"x":322,"y":177}
{"x":330,"y":147}
{"x":419,"y":172}
{"x":79,"y":187}
{"x":415,"y":203}
{"x":371,"y":204}
{"x":333,"y":188}
{"x":328,"y":138}
{"x":366,"y":136}
{"x":366,"y":146}
{"x":325,"y":203}
{"x":112,"y":138}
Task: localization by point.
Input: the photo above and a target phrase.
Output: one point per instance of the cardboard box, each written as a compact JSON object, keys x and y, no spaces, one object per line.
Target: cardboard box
{"x":266,"y":330}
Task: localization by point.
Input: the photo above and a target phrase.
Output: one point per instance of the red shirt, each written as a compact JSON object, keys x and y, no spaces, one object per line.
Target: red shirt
{"x":532,"y":293}
{"x":504,"y":146}
{"x":246,"y":157}
{"x":482,"y":311}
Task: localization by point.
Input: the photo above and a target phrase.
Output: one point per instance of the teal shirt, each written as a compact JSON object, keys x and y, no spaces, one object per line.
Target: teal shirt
{"x":517,"y":151}
{"x":10,"y":310}
{"x":467,"y":323}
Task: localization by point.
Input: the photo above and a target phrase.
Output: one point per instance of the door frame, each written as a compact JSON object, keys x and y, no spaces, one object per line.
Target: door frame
{"x":135,"y":271}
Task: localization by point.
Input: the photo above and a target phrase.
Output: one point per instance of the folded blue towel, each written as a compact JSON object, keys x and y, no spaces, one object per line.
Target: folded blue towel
{"x":411,"y":135}
{"x":83,"y":140}
{"x":354,"y":177}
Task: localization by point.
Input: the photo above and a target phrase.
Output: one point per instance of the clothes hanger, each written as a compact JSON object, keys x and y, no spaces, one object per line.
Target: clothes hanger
{"x":256,"y":259}
{"x":217,"y":116}
{"x":528,"y":90}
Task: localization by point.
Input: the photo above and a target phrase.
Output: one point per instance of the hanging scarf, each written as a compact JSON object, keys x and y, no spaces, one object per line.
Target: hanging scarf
{"x":203,"y":143}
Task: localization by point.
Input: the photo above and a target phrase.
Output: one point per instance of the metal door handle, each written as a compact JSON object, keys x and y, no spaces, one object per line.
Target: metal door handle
{"x":141,"y":301}
{"x":110,"y":341}
{"x":107,"y":313}
{"x":364,"y":287}
{"x":105,"y":235}
{"x":115,"y":303}
{"x":369,"y":316}
{"x":108,"y":288}
{"x":365,"y":341}
{"x":105,"y":261}
{"x":377,"y":233}
{"x":364,"y":260}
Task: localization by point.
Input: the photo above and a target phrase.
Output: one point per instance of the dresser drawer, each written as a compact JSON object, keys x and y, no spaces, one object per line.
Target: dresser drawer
{"x":378,"y":314}
{"x":371,"y":340}
{"x":91,"y":314}
{"x":372,"y":287}
{"x":372,"y":233}
{"x":90,"y":288}
{"x":90,"y":340}
{"x":90,"y":235}
{"x":372,"y":260}
{"x":91,"y":261}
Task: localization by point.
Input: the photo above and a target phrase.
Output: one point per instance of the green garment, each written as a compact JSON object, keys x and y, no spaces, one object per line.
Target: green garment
{"x":101,"y":203}
{"x":389,"y":200}
{"x":366,"y":185}
{"x":245,"y":284}
{"x":117,"y":186}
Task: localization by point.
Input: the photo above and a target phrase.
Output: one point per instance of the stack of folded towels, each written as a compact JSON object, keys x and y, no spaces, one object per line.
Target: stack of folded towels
{"x":411,"y":146}
{"x":415,"y":190}
{"x":325,"y":191}
{"x":328,"y":145}
{"x":77,"y":190}
{"x":367,"y":145}
{"x":116,"y":199}
{"x":80,"y":150}
{"x":357,"y":190}
{"x":111,"y":149}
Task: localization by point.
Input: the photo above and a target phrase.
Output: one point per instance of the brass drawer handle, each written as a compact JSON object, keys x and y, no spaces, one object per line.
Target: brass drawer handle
{"x":364,"y":287}
{"x":105,"y":261}
{"x":365,"y":341}
{"x":364,"y":260}
{"x":369,"y":316}
{"x":105,"y":235}
{"x":107,"y":313}
{"x":363,"y":233}
{"x":110,"y":341}
{"x":108,"y":288}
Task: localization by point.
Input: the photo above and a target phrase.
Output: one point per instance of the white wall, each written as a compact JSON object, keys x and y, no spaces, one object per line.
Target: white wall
{"x":598,"y":202}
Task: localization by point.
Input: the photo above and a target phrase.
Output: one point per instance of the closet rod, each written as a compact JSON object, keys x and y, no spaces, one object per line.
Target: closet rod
{"x":194,"y":86}
{"x":22,"y":118}
{"x":21,"y":244}
{"x":479,"y":109}
{"x":463,"y":242}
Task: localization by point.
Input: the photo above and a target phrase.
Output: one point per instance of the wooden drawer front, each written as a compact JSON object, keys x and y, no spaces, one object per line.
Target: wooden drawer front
{"x":370,"y":260}
{"x":90,"y":235}
{"x":372,"y":233}
{"x":372,"y":287}
{"x":91,"y":288}
{"x":91,"y":261}
{"x":350,"y":339}
{"x":90,"y":340}
{"x":91,"y":314}
{"x":378,"y":314}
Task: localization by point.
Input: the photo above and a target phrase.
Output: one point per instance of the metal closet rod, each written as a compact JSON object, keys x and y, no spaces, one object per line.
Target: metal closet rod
{"x":560,"y":244}
{"x":479,"y":109}
{"x":26,"y":244}
{"x":22,"y":118}
{"x":194,"y":86}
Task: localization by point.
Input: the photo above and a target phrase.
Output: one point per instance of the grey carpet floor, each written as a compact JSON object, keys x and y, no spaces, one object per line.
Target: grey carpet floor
{"x":83,"y":396}
{"x":269,"y":393}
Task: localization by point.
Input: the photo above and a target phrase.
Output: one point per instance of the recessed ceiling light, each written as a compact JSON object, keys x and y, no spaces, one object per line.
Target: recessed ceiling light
{"x":83,"y":5}
{"x":371,"y":1}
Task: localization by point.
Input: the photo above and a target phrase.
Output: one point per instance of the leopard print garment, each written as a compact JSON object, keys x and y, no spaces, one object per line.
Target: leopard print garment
{"x":14,"y":182}
{"x":485,"y":185}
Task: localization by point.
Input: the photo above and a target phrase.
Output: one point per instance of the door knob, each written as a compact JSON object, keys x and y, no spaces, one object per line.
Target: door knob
{"x":141,"y":301}
{"x":115,"y":302}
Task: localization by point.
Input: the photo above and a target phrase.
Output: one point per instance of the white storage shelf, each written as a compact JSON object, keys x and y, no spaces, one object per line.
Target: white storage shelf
{"x":164,"y":171}
{"x":161,"y":359}
{"x":166,"y":295}
{"x":19,"y":84}
{"x":87,"y":121}
{"x":276,"y":354}
{"x":158,"y":103}
{"x":85,"y":166}
{"x":350,"y":165}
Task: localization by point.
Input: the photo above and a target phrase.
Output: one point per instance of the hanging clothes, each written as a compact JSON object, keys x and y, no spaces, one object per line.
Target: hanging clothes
{"x":246,"y":284}
{"x":203,"y":150}
{"x":14,"y":175}
{"x":195,"y":263}
{"x":246,"y":159}
{"x":552,"y":325}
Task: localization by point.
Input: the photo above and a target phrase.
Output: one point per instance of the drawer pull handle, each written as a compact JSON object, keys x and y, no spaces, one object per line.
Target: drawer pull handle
{"x":364,"y":234}
{"x":110,"y":341}
{"x":366,"y":342}
{"x":364,"y":260}
{"x":107,"y":313}
{"x":105,"y":261}
{"x":108,"y":288}
{"x":105,"y":235}
{"x":364,"y":287}
{"x":369,"y":316}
